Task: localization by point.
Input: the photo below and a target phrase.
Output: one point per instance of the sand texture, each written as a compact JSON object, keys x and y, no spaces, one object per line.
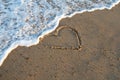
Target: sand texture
{"x":84,"y":47}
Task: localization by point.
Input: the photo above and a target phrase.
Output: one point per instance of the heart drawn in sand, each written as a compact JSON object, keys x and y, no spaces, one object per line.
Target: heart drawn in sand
{"x":63,"y":38}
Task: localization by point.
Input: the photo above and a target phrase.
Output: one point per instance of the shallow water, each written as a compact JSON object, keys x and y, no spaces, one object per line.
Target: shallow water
{"x":22,"y":22}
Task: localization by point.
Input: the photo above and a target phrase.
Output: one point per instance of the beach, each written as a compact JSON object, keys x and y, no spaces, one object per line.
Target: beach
{"x":83,"y":47}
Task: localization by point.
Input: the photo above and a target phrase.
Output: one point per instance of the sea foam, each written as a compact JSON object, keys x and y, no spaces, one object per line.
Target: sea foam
{"x":23,"y":22}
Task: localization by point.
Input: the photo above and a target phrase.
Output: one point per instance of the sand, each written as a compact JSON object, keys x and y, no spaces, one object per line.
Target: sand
{"x":84,"y":47}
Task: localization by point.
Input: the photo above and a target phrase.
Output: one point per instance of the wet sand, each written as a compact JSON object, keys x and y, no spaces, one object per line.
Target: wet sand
{"x":84,"y":47}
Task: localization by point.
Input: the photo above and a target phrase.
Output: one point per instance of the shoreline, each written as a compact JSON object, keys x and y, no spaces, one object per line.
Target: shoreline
{"x":99,"y":58}
{"x":46,"y":32}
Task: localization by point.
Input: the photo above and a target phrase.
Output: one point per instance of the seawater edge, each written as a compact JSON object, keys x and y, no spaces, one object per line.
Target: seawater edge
{"x":36,"y":41}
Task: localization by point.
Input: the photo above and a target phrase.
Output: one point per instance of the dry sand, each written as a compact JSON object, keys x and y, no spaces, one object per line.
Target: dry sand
{"x":84,"y":47}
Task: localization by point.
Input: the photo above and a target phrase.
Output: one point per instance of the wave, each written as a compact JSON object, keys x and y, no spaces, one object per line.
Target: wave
{"x":23,"y":22}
